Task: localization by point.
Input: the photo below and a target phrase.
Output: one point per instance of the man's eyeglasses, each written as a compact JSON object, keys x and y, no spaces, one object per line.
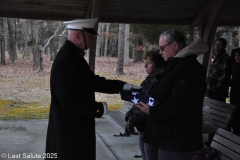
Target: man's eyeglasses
{"x":163,"y":47}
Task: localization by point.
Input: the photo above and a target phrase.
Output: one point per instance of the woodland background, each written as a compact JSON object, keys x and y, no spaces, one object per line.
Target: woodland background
{"x":28,"y":48}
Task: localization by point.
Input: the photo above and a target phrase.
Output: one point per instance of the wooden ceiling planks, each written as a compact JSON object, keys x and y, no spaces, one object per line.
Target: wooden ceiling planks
{"x":180,"y":12}
{"x":44,"y":9}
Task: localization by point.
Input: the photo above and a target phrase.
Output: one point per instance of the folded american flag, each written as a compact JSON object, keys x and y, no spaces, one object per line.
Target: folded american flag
{"x":135,"y":96}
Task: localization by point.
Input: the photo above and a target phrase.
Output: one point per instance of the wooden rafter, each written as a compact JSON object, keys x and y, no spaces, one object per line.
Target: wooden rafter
{"x":208,"y":24}
{"x":207,"y":8}
{"x":93,"y":10}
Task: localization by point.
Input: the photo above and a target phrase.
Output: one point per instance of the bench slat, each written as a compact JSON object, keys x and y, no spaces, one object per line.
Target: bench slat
{"x":215,"y":123}
{"x":209,"y":100}
{"x":231,"y":136}
{"x":209,"y":128}
{"x":222,"y":108}
{"x":216,"y":112}
{"x":216,"y":115}
{"x":227,"y":143}
{"x":225,"y":151}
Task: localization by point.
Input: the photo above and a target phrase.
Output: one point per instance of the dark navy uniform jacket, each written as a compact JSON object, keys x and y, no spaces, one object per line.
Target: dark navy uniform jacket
{"x":71,"y":128}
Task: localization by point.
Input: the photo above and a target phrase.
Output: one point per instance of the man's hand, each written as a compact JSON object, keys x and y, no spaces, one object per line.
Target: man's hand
{"x":128,"y":86}
{"x":143,"y":107}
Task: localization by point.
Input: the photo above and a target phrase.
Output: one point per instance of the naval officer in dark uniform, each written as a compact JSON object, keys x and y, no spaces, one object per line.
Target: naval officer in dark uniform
{"x":73,"y":109}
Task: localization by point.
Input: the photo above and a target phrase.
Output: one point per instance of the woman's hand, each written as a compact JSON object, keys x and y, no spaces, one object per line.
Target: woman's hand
{"x":143,"y":107}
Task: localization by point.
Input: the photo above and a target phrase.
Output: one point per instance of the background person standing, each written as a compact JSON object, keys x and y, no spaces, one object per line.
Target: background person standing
{"x":219,"y":75}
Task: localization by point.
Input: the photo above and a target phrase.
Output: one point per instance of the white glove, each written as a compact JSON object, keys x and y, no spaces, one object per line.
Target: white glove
{"x":128,"y":86}
{"x":105,"y":107}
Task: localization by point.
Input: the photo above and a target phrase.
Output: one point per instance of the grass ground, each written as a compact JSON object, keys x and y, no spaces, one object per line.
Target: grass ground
{"x":25,"y":93}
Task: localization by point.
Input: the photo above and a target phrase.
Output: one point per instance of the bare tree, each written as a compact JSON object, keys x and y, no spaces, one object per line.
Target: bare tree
{"x":106,"y":40}
{"x":99,"y":39}
{"x":11,"y":40}
{"x":41,"y":48}
{"x":126,"y":45}
{"x":2,"y":41}
{"x":120,"y":59}
{"x":52,"y":34}
{"x":138,"y":54}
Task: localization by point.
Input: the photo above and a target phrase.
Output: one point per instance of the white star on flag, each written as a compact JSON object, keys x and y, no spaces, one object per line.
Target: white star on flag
{"x":135,"y":101}
{"x":150,"y":101}
{"x":135,"y":93}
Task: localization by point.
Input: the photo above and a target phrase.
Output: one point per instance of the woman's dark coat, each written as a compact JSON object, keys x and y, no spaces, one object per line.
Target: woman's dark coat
{"x":135,"y":116}
{"x":71,"y":127}
{"x":176,"y":123}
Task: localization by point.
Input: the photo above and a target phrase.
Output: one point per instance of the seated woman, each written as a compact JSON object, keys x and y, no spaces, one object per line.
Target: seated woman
{"x":154,"y":63}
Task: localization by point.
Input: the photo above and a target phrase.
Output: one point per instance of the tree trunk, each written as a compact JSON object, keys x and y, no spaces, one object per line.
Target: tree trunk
{"x":106,"y":41}
{"x":11,"y":49}
{"x":99,"y":40}
{"x":2,"y":42}
{"x":138,"y":55}
{"x":126,"y":45}
{"x":53,"y":50}
{"x":34,"y":46}
{"x":16,"y":29}
{"x":52,"y":44}
{"x":35,"y":58}
{"x":133,"y":50}
{"x":120,"y":59}
{"x":40,"y":59}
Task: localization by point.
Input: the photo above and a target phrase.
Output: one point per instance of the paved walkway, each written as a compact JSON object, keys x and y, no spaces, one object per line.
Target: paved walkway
{"x":25,"y":139}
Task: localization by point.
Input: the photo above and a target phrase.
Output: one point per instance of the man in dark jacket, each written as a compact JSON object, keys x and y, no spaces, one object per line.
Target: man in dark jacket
{"x":235,"y":89}
{"x":71,"y":127}
{"x":176,"y":123}
{"x":219,"y":75}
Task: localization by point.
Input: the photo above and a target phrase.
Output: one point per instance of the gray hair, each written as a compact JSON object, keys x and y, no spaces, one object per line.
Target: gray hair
{"x":174,"y":35}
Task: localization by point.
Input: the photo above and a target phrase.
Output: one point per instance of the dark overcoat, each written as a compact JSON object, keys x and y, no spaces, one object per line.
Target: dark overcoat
{"x":176,"y":123}
{"x":71,"y":127}
{"x":235,"y":82}
{"x":235,"y":94}
{"x":135,"y":116}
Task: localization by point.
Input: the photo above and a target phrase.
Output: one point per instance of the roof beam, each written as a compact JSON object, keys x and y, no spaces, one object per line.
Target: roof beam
{"x":208,"y":25}
{"x":211,"y":5}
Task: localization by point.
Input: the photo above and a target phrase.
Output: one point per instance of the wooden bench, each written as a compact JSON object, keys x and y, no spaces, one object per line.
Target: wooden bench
{"x":216,"y":115}
{"x":228,"y":145}
{"x":117,"y":118}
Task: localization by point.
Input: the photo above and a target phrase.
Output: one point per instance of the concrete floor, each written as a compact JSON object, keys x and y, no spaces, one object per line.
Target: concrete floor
{"x":25,"y":139}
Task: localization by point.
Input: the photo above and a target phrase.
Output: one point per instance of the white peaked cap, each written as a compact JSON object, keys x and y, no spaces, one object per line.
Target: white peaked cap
{"x":82,"y":24}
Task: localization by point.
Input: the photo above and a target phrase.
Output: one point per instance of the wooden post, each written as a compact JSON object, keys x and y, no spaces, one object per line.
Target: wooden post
{"x":191,"y":28}
{"x":93,"y":12}
{"x":209,"y":17}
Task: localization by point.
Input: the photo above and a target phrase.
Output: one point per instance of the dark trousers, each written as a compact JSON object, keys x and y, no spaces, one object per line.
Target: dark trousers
{"x":236,"y":120}
{"x":148,"y":151}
